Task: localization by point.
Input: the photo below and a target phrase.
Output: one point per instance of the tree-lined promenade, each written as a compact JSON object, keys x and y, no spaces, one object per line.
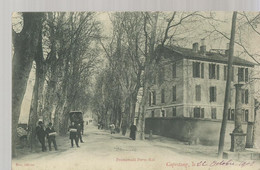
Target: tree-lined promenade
{"x":81,"y":65}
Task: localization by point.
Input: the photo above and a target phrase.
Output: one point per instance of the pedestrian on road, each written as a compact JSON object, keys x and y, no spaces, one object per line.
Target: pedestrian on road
{"x":73,"y":134}
{"x":51,"y":133}
{"x":79,"y":130}
{"x":112,"y":128}
{"x":133,"y":131}
{"x":40,"y":133}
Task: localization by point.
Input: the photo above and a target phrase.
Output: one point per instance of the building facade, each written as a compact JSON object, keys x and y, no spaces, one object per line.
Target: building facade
{"x":191,"y":83}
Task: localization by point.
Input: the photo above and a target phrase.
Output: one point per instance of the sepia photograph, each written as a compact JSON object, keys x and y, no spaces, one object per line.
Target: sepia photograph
{"x":135,"y":90}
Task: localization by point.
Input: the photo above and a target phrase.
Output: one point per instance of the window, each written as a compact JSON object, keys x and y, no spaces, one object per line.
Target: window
{"x":174,"y":70}
{"x":241,"y":74}
{"x":213,"y":94}
{"x":174,"y":113}
{"x":198,"y":112}
{"x":231,"y":115}
{"x":198,"y":92}
{"x":174,"y":93}
{"x":154,"y":97}
{"x":152,"y":113}
{"x":213,"y":113}
{"x":196,"y":69}
{"x":212,"y":71}
{"x":225,"y":72}
{"x":246,"y":115}
{"x":162,"y":96}
{"x":163,"y":113}
{"x":161,"y":75}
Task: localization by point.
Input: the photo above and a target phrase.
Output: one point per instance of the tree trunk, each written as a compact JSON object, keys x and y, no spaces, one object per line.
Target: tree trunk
{"x":35,"y":110}
{"x":25,"y":47}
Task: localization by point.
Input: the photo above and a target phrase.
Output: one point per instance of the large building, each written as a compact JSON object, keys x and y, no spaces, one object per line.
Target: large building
{"x":191,"y":83}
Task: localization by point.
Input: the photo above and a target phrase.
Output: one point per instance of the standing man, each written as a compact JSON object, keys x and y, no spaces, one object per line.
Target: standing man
{"x":133,"y":131}
{"x":51,"y":133}
{"x":79,"y":130}
{"x":73,"y":134}
{"x":40,"y":132}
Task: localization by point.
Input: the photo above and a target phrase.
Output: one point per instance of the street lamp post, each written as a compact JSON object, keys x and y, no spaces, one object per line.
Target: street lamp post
{"x":238,"y":136}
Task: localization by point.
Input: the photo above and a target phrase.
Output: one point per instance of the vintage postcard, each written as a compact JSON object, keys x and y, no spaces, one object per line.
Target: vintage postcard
{"x":135,"y":90}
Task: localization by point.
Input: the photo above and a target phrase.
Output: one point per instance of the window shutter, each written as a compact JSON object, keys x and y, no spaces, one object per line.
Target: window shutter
{"x":218,"y":72}
{"x":215,"y":94}
{"x":210,"y":94}
{"x":246,"y":74}
{"x":246,"y":115}
{"x":150,"y":99}
{"x":202,"y":113}
{"x":194,"y":69}
{"x":174,"y":111}
{"x":229,"y":114}
{"x":210,"y":70}
{"x":232,"y":75}
{"x":246,"y":96}
{"x":202,"y":70}
{"x":243,"y":96}
{"x":225,"y":72}
{"x":174,"y":93}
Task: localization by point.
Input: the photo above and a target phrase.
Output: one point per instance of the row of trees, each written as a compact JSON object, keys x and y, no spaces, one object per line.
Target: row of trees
{"x":60,"y":46}
{"x":133,"y":59}
{"x":66,"y":49}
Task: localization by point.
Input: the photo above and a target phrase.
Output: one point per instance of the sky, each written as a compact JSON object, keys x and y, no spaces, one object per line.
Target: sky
{"x":252,"y":39}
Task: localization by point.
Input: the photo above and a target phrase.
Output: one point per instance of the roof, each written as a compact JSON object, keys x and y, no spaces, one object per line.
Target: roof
{"x":208,"y":56}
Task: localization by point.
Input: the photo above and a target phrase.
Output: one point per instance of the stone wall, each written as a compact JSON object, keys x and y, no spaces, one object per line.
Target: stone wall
{"x":206,"y":130}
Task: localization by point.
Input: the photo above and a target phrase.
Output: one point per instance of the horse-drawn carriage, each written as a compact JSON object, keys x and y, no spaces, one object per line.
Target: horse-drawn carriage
{"x":77,"y":118}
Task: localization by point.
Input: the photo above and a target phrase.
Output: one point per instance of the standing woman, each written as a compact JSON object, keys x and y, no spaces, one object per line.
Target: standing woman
{"x":73,"y":134}
{"x":133,"y":131}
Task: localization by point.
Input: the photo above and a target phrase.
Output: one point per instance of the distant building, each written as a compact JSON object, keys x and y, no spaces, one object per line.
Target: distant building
{"x":191,"y":83}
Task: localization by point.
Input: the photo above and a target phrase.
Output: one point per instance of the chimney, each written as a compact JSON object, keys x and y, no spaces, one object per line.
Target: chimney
{"x":227,"y":50}
{"x":203,"y":46}
{"x":195,"y":47}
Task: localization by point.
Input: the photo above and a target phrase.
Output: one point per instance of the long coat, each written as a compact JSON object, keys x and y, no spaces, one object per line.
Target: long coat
{"x":73,"y":135}
{"x":40,"y":132}
{"x":133,"y":131}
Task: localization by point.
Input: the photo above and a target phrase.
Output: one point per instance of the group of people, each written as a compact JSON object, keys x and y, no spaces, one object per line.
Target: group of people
{"x":76,"y":131}
{"x":133,"y":130}
{"x":49,"y":132}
